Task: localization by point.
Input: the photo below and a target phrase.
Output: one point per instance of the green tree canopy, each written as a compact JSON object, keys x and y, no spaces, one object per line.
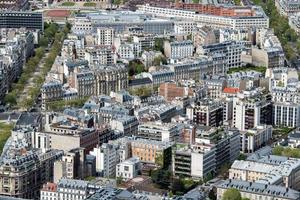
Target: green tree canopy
{"x":11,"y":98}
{"x":232,"y":194}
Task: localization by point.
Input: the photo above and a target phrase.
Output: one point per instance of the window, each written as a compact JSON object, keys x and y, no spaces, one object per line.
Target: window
{"x":126,"y":168}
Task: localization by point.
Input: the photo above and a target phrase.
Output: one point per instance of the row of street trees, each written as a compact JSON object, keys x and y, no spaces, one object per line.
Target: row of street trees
{"x":52,"y":35}
{"x":287,"y":36}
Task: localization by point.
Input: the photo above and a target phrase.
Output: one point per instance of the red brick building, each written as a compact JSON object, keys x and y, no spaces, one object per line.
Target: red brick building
{"x":170,"y":91}
{"x":216,"y":10}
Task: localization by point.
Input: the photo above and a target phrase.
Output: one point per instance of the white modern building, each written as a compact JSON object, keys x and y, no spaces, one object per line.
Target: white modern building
{"x":198,"y":161}
{"x":165,"y":132}
{"x":106,"y":159}
{"x":259,"y":20}
{"x":129,"y":168}
{"x":105,"y":36}
{"x":251,"y":109}
{"x":184,"y":27}
{"x":255,"y":138}
{"x":286,"y":114}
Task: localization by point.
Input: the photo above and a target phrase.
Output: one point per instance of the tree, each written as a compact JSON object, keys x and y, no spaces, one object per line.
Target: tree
{"x":232,"y":194}
{"x":135,"y":67}
{"x":242,"y":156}
{"x":212,"y":194}
{"x":224,"y":170}
{"x":39,"y":52}
{"x":159,"y":44}
{"x":237,"y":2}
{"x":51,"y":30}
{"x":278,"y":150}
{"x":161,"y":178}
{"x":44,"y":41}
{"x":117,"y":2}
{"x":141,"y":91}
{"x":119,"y":180}
{"x":159,"y":60}
{"x":177,"y":186}
{"x":10,"y":98}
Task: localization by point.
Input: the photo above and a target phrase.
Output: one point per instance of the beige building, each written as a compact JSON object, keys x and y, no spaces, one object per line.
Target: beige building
{"x":70,"y":166}
{"x":59,"y":133}
{"x":269,"y":58}
{"x":275,"y":170}
{"x":23,"y":176}
{"x":151,"y":151}
{"x":204,"y":36}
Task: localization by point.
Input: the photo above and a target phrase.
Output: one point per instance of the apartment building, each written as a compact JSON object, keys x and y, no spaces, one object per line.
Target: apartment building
{"x":184,"y":27}
{"x":206,"y":112}
{"x":159,"y":77}
{"x":171,"y":90}
{"x":178,"y":49}
{"x":268,"y":52}
{"x":232,"y":51}
{"x":197,"y":161}
{"x":148,"y":57}
{"x":121,"y":22}
{"x":294,"y":22}
{"x":51,"y":91}
{"x":71,"y":165}
{"x":226,"y":142}
{"x":215,"y":87}
{"x":106,"y":159}
{"x":110,"y":79}
{"x":83,"y":82}
{"x":192,"y":68}
{"x":125,"y":124}
{"x":100,"y":55}
{"x":293,"y":139}
{"x":17,"y":5}
{"x":255,"y":138}
{"x":14,"y":172}
{"x":251,"y":109}
{"x":274,"y":170}
{"x":286,"y":114}
{"x":105,"y":36}
{"x":258,"y":19}
{"x":68,"y":189}
{"x":152,"y":151}
{"x":165,"y":132}
{"x":108,"y":113}
{"x":146,"y":41}
{"x":17,"y":46}
{"x":235,"y":34}
{"x":129,"y":51}
{"x":73,"y":48}
{"x":257,"y":190}
{"x":204,"y":36}
{"x":287,"y":7}
{"x":59,"y":132}
{"x":219,"y":10}
{"x":285,"y":94}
